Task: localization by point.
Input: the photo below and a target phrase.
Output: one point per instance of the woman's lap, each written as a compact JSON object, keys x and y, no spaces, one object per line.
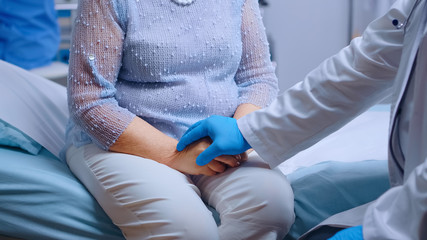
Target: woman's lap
{"x":142,"y":197}
{"x":145,"y":198}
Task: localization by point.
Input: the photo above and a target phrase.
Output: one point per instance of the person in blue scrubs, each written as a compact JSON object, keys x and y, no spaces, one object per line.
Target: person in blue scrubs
{"x":29,"y":32}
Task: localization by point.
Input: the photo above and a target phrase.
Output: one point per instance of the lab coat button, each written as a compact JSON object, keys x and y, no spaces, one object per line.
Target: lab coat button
{"x":397,"y":24}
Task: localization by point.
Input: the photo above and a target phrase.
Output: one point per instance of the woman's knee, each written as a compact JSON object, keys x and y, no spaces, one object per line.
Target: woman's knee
{"x":196,"y":224}
{"x":267,"y":200}
{"x":279,"y":198}
{"x":174,"y":222}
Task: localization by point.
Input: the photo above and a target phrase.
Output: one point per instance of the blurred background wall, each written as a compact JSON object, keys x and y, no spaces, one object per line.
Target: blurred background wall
{"x":303,"y":33}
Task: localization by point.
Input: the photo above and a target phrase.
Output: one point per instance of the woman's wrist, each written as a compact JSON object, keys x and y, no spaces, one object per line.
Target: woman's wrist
{"x":142,"y":139}
{"x":244,"y":109}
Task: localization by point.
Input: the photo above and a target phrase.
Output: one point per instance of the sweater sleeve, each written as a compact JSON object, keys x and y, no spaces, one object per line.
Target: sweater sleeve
{"x":256,"y":76}
{"x":95,"y":61}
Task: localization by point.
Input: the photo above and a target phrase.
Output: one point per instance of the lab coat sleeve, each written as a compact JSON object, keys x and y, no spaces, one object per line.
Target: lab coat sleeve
{"x":342,"y":87}
{"x":403,"y":208}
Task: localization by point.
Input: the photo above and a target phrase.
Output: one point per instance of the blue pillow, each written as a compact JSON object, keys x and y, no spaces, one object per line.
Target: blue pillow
{"x":13,"y":137}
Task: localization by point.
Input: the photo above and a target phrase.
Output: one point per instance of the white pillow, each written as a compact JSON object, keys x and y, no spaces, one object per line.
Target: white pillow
{"x":34,"y":105}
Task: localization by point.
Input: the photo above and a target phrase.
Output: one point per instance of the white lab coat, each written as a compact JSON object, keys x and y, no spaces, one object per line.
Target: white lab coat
{"x":372,"y":67}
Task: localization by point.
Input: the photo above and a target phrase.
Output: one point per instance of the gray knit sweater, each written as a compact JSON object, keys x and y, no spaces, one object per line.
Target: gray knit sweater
{"x":169,"y":64}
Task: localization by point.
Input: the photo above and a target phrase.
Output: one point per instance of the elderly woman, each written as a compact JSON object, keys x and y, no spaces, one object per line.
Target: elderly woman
{"x":141,"y":73}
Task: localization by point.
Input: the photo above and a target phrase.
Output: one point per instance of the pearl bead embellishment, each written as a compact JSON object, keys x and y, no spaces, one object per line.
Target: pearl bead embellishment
{"x":183,"y":2}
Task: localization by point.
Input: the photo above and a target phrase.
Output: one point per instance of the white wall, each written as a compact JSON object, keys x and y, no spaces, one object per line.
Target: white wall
{"x":303,"y":33}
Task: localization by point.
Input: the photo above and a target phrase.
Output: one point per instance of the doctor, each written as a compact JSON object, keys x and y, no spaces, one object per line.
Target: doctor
{"x":390,"y":58}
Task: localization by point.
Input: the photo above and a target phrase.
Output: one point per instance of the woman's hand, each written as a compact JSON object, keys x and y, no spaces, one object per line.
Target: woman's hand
{"x":185,"y":160}
{"x":142,"y":139}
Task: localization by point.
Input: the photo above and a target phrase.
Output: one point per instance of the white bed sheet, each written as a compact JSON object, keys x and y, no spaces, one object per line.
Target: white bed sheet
{"x":364,"y":138}
{"x":34,"y":105}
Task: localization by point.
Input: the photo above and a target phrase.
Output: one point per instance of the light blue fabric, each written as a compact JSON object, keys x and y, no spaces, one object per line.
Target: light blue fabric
{"x":10,"y":136}
{"x":29,"y":32}
{"x":327,"y":188}
{"x":41,"y":199}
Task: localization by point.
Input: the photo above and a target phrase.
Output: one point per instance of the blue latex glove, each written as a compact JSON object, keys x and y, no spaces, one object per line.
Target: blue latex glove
{"x":353,"y":233}
{"x":226,"y":137}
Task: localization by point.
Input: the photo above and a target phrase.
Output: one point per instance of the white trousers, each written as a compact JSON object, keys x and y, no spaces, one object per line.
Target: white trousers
{"x":149,"y":200}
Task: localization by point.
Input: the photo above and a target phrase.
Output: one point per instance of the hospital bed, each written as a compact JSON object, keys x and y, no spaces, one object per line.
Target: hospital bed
{"x":41,"y":199}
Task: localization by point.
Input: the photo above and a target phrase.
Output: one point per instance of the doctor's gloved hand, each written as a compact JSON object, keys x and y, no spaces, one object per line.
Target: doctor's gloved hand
{"x":226,"y":138}
{"x":353,"y":233}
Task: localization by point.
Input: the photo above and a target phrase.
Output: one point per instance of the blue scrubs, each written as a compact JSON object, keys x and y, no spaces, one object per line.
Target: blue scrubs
{"x":29,"y":32}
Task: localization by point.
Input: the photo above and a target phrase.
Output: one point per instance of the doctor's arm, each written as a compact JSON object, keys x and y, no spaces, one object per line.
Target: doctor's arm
{"x":331,"y":95}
